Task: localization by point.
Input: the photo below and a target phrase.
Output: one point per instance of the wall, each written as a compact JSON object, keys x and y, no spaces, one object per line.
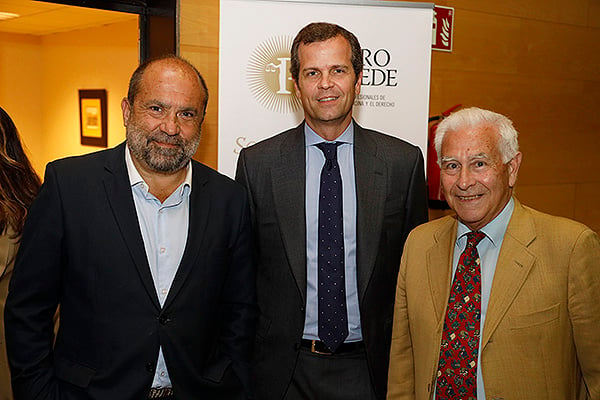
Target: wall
{"x":96,"y":58}
{"x":20,"y":89}
{"x":199,"y":43}
{"x":40,"y":79}
{"x":535,"y":61}
{"x":539,"y":63}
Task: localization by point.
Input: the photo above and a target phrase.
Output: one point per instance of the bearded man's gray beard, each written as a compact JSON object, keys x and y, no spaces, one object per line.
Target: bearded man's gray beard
{"x":160,"y":159}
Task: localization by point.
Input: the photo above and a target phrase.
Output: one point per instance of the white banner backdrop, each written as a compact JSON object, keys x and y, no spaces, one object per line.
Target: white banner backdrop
{"x":256,"y":98}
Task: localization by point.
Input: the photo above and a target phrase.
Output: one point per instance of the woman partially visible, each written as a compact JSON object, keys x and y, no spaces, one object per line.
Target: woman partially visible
{"x":19,"y":185}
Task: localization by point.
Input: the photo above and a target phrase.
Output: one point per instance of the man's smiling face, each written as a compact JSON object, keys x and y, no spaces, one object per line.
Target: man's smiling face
{"x":476,"y":182}
{"x":327,"y":84}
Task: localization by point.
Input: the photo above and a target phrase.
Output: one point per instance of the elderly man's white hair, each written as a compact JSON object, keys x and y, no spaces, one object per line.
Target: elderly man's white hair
{"x":473,"y":117}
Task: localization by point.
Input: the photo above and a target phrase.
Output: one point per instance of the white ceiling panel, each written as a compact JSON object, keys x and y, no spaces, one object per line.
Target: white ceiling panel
{"x":39,"y":18}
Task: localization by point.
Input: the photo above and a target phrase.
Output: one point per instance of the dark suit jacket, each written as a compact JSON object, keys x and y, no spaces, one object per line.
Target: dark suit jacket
{"x":82,"y":249}
{"x":391,"y":200}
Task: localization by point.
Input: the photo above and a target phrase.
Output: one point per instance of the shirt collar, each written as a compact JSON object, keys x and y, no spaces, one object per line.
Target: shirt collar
{"x":311,"y":137}
{"x":136,"y":179}
{"x":494,"y":230}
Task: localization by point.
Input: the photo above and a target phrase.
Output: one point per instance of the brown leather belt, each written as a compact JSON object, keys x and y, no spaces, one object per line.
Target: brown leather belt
{"x":164,"y":393}
{"x":318,"y":347}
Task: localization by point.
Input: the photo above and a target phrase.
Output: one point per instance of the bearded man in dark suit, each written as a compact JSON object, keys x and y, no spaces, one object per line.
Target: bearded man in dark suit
{"x":147,"y":255}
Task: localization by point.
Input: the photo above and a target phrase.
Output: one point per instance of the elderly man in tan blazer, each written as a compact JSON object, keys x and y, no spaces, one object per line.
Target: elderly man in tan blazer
{"x":517,"y":316}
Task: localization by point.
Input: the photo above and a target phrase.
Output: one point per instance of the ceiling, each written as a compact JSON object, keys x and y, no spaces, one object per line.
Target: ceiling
{"x":39,"y":18}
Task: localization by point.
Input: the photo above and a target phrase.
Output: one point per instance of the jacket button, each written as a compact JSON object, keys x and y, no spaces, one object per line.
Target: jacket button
{"x":163,"y":319}
{"x":150,"y":367}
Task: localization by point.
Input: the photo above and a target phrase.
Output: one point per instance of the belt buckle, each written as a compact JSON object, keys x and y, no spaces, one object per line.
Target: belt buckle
{"x":160,"y":393}
{"x":313,"y":349}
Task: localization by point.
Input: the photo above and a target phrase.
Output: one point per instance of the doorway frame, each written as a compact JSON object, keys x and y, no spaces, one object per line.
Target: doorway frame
{"x":157,"y":22}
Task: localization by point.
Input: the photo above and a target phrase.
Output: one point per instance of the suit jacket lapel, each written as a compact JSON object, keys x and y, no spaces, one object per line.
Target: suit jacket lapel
{"x":514,"y":263}
{"x":439,"y":266}
{"x":371,"y":183}
{"x":288,"y":176}
{"x":120,"y":198}
{"x":199,"y":212}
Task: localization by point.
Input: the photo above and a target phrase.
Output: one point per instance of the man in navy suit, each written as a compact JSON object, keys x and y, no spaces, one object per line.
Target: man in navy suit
{"x":383,"y":190}
{"x":147,"y":255}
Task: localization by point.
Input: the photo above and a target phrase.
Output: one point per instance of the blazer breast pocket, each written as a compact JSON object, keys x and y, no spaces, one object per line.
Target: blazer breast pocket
{"x":536,"y":318}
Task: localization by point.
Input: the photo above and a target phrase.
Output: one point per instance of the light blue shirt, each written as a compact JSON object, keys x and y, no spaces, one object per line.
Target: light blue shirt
{"x":314,"y":164}
{"x":164,"y":228}
{"x":488,"y":249}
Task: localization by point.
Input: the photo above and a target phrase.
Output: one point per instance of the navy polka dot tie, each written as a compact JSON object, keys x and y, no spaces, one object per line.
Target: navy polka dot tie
{"x":333,"y":318}
{"x":457,"y":369}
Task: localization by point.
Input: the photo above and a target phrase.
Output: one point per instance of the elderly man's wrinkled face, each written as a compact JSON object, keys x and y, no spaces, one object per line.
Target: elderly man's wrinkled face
{"x":476,"y":183}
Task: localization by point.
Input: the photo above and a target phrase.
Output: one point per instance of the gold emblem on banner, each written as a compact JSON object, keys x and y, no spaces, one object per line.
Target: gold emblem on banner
{"x":268,"y":75}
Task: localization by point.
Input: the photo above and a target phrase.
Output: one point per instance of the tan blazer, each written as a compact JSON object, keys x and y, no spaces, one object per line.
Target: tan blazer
{"x":541,"y":338}
{"x":8,"y":250}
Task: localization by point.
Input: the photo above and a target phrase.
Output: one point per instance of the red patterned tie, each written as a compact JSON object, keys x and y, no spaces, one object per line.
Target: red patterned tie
{"x":457,"y":370}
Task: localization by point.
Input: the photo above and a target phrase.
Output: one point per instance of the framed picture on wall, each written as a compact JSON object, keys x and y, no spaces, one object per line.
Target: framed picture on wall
{"x":93,"y":117}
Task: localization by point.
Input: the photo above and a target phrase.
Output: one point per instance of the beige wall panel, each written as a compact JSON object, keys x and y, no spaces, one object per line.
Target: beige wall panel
{"x":482,"y":43}
{"x":40,"y":78}
{"x":594,"y":14}
{"x":558,"y":11}
{"x":577,"y":202}
{"x":558,"y":134}
{"x":560,"y":160}
{"x":199,"y":43}
{"x":561,"y":51}
{"x":586,"y":205}
{"x":509,"y":45}
{"x":20,"y":90}
{"x":551,"y":199}
{"x":473,"y":88}
{"x":199,"y":22}
{"x":95,"y":58}
{"x":570,"y":11}
{"x":206,"y":60}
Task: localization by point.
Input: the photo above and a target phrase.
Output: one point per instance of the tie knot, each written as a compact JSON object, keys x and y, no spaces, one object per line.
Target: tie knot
{"x":329,"y":149}
{"x":474,"y":237}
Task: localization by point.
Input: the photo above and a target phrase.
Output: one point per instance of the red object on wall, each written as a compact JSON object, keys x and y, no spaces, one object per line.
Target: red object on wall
{"x":443,"y":28}
{"x":435,"y":194}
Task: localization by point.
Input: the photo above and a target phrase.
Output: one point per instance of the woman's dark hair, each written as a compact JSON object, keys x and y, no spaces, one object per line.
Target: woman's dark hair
{"x":19,"y":182}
